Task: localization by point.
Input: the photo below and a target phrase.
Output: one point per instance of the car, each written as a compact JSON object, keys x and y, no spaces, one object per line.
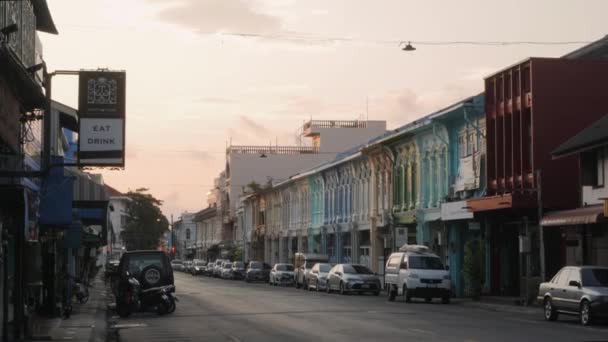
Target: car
{"x":150,"y":268}
{"x":317,"y":277}
{"x":198,"y":267}
{"x":303,"y":264}
{"x":238,"y":270}
{"x":188,"y":266}
{"x":111,"y":267}
{"x":416,"y":272}
{"x":177,"y":265}
{"x":226,"y":272}
{"x":217,"y":268}
{"x":576,"y":290}
{"x":281,"y":274}
{"x":257,"y":271}
{"x":349,"y":278}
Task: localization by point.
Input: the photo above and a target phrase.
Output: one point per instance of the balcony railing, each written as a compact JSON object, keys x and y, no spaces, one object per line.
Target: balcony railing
{"x":334,"y":124}
{"x":283,"y":150}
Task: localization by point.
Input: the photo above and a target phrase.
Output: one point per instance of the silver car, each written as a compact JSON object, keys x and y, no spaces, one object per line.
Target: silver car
{"x":282,"y":274}
{"x":581,"y":291}
{"x":348,"y":278}
{"x":317,"y":277}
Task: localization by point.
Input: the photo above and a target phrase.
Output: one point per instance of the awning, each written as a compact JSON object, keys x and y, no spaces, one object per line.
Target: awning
{"x":587,"y":215}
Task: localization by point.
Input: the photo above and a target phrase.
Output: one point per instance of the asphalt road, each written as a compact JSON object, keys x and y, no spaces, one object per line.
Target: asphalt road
{"x":223,"y":310}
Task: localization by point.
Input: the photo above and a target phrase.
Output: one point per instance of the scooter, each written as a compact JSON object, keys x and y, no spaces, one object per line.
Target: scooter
{"x":132,"y":298}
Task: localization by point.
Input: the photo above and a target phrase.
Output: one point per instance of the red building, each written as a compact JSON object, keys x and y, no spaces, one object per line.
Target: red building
{"x":531,"y":108}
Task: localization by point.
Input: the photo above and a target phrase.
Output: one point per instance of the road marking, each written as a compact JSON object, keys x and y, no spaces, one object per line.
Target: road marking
{"x":129,"y":325}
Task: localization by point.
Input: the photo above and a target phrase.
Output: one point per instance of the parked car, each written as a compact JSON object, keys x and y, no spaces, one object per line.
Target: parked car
{"x":414,"y":271}
{"x":303,"y":264}
{"x":257,"y":271}
{"x":198,"y":267}
{"x":282,"y":274}
{"x":317,"y":277}
{"x":348,"y":278}
{"x":226,"y":272}
{"x":238,"y":270}
{"x":217,"y":268}
{"x":177,"y":265}
{"x":188,"y":266}
{"x":576,"y":290}
{"x":150,"y":268}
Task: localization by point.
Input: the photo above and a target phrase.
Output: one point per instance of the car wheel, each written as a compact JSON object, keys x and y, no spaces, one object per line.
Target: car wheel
{"x":305,"y":285}
{"x":327,"y":287}
{"x":585,"y":313}
{"x":391,"y":292}
{"x":445,"y":299}
{"x":342,"y":290}
{"x":376,"y":293}
{"x":550,"y":312}
{"x":428,"y":299}
{"x":406,"y":296}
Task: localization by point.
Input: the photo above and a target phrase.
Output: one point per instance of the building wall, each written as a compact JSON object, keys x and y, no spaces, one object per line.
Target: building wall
{"x":592,"y":194}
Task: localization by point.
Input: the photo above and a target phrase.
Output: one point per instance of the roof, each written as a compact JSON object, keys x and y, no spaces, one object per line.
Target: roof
{"x":44,"y":21}
{"x":591,"y":137}
{"x":586,"y":215}
{"x":112,"y":192}
{"x":597,"y":49}
{"x":208,"y":212}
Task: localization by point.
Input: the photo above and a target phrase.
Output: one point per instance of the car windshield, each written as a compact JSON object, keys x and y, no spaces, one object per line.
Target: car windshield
{"x":228,"y":266}
{"x":595,"y":277}
{"x":201,"y":263}
{"x":324,"y":268}
{"x":356,"y":269}
{"x":177,"y":262}
{"x":285,"y":268}
{"x":138,"y":262}
{"x":425,"y":263}
{"x":239,"y":265}
{"x":256,"y":265}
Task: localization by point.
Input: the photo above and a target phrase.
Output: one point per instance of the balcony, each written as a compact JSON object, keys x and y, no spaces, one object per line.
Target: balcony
{"x":309,"y":126}
{"x":266,"y":150}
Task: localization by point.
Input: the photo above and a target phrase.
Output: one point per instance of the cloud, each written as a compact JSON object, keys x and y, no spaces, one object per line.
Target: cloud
{"x":215,"y":16}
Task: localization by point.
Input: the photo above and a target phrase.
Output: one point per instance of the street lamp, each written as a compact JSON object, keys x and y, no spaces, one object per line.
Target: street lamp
{"x":407,"y":47}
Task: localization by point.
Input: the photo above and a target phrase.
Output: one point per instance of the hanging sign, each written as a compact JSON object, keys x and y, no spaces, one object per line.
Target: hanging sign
{"x":101,"y":108}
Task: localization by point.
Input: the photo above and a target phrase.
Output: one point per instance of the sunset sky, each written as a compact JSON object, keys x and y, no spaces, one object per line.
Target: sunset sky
{"x":191,"y":87}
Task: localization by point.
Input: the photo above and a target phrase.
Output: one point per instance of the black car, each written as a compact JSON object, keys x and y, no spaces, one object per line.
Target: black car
{"x":257,"y":271}
{"x":238,"y":270}
{"x":150,"y":268}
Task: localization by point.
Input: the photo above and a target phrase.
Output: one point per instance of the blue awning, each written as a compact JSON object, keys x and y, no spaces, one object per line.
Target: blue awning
{"x":56,"y":197}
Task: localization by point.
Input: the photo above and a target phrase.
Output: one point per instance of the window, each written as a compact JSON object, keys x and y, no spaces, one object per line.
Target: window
{"x":462,"y":146}
{"x":123,"y":220}
{"x":599,"y":175}
{"x":394,"y":261}
{"x":187,"y":234}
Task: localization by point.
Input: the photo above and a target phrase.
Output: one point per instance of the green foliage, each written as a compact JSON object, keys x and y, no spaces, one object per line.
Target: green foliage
{"x":254,"y":187}
{"x":237,"y":254}
{"x":145,"y":222}
{"x":473,"y":267}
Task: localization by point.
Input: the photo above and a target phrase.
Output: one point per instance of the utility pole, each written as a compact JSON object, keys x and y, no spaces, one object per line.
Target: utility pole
{"x":539,"y":197}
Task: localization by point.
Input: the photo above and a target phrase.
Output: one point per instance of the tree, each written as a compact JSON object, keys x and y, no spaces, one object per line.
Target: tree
{"x":473,"y":268}
{"x":145,"y":222}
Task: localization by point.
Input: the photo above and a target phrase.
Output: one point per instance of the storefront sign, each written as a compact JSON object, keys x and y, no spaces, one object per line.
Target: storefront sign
{"x":101,"y":107}
{"x":455,"y":211}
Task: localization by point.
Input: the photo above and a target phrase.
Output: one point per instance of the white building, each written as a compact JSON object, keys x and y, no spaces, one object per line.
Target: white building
{"x":118,"y":220}
{"x":185,"y":236}
{"x":264,"y":164}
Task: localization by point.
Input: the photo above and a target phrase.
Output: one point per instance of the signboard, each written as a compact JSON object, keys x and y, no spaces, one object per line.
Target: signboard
{"x":455,"y":211}
{"x":101,"y":108}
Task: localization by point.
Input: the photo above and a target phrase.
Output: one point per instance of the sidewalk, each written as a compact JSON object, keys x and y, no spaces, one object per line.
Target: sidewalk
{"x":499,"y":304}
{"x":86,"y":323}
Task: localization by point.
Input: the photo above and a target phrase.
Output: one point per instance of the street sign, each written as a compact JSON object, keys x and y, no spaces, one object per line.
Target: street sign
{"x":101,"y":108}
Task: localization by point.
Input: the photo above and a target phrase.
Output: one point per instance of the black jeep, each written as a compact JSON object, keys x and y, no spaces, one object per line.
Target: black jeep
{"x":150,"y":268}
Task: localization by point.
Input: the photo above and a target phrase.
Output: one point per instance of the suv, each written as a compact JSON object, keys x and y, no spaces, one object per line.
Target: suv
{"x":303,"y":264}
{"x":217,"y":269}
{"x":150,"y":268}
{"x":414,"y":271}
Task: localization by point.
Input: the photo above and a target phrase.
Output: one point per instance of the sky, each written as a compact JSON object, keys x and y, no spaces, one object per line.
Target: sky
{"x":202,"y":73}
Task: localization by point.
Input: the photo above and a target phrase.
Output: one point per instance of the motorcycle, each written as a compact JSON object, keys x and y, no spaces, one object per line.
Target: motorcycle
{"x":131,"y":298}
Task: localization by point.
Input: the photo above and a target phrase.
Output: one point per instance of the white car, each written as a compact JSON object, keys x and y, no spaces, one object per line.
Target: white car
{"x":414,"y":271}
{"x":226,"y":272}
{"x":282,"y":274}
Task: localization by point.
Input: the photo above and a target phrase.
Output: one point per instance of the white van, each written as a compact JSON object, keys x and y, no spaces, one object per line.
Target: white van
{"x":414,"y":271}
